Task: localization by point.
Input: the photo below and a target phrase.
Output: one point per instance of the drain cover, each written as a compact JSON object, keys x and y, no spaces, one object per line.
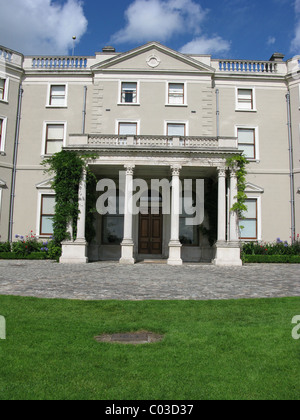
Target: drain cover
{"x":141,"y":337}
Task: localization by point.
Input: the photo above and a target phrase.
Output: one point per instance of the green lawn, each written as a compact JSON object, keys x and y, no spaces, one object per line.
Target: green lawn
{"x":212,"y":350}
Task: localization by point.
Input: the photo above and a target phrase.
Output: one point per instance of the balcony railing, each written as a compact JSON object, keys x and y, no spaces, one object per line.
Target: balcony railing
{"x":240,"y":66}
{"x":152,"y":142}
{"x":10,"y":56}
{"x":59,"y":63}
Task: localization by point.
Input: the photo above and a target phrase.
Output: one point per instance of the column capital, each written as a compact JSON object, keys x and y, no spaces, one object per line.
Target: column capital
{"x":129,"y":169}
{"x":176,"y":170}
{"x":221,"y":171}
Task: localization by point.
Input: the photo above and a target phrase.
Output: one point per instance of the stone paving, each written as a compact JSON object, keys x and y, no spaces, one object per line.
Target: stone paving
{"x":107,"y":280}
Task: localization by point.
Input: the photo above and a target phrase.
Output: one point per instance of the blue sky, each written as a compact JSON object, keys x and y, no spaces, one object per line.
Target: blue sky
{"x":242,"y":29}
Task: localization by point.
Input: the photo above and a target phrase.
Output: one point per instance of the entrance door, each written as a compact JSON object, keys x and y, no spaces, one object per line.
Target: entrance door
{"x":150,"y":234}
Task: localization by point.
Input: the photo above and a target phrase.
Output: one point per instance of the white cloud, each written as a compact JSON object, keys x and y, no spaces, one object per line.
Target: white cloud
{"x":204,"y":45}
{"x":271,"y":40}
{"x":295,"y":45}
{"x":160,"y":20}
{"x":41,"y":26}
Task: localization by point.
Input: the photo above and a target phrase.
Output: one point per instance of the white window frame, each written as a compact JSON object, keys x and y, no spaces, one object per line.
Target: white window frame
{"x":46,"y":123}
{"x":258,"y":199}
{"x":185,"y":98}
{"x":137,"y":103}
{"x":118,"y":122}
{"x":237,"y":108}
{"x":3,"y":134}
{"x":169,"y":122}
{"x":257,"y":148}
{"x":6,"y":88}
{"x":65,"y":105}
{"x":39,"y":211}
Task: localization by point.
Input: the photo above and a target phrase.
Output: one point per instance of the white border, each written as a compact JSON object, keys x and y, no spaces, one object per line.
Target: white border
{"x":65,"y":105}
{"x":178,"y":82}
{"x":137,"y":122}
{"x":3,"y":134}
{"x":6,"y":88}
{"x":186,"y":123}
{"x":257,"y":148}
{"x":39,"y":211}
{"x":137,"y":103}
{"x":237,"y":102}
{"x":45,"y":123}
{"x":259,"y":218}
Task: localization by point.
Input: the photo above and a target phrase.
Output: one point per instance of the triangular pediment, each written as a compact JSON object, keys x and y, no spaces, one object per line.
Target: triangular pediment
{"x":2,"y":184}
{"x":251,"y":188}
{"x":153,"y":57}
{"x":45,"y":185}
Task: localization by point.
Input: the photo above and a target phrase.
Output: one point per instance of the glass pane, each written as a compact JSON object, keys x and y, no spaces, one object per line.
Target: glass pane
{"x":2,"y":86}
{"x":246,"y":136}
{"x":47,"y":225}
{"x":249,"y":151}
{"x":177,"y":130}
{"x":129,"y":86}
{"x":113,"y":230}
{"x":245,"y":94}
{"x":188,"y":234}
{"x":251,"y":213}
{"x":48,"y":205}
{"x":127,"y":129}
{"x":58,"y":101}
{"x":249,"y":229}
{"x":53,"y":147}
{"x":55,"y":132}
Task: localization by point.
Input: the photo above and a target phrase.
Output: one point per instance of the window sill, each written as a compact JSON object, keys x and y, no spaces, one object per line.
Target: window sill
{"x":4,"y":101}
{"x":246,"y":110}
{"x":128,"y":104}
{"x":177,"y":105}
{"x":2,"y":153}
{"x":56,"y":107}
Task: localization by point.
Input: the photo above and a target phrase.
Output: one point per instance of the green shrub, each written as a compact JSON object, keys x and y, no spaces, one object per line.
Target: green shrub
{"x":271,"y":259}
{"x":5,"y":247}
{"x":16,"y":256}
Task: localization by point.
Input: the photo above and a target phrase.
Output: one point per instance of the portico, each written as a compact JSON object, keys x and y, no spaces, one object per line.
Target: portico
{"x":160,"y":227}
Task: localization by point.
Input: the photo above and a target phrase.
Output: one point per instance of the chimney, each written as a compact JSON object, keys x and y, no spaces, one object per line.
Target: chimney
{"x":277,"y":57}
{"x":108,"y":49}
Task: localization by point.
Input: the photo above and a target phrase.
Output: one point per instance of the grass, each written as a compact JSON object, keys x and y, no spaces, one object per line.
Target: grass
{"x":239,"y":349}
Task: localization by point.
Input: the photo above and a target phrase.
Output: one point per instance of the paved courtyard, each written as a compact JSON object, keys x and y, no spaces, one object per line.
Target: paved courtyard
{"x":99,"y":281}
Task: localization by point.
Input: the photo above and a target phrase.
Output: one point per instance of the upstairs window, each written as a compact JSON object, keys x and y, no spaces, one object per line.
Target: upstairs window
{"x":129,"y":93}
{"x":127,"y":129}
{"x":245,"y":99}
{"x":55,"y":134}
{"x":2,"y":133}
{"x":176,"y":130}
{"x":2,"y":89}
{"x":247,"y":142}
{"x":57,"y":95}
{"x":176,"y":94}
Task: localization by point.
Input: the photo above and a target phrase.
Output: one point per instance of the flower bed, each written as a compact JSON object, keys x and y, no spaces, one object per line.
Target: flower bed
{"x":279,"y":252}
{"x":30,"y":248}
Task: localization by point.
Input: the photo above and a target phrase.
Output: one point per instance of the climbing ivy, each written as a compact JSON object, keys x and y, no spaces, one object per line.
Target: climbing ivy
{"x":239,"y":163}
{"x":67,"y":167}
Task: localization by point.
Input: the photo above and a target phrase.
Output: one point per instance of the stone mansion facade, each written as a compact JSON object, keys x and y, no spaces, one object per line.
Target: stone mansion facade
{"x":153,"y":113}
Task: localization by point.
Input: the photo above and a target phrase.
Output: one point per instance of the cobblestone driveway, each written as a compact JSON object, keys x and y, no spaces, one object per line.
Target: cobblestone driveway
{"x":100,"y":281}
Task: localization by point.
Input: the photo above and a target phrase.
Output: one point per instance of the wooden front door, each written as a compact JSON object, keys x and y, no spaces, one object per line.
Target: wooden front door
{"x":150,"y":234}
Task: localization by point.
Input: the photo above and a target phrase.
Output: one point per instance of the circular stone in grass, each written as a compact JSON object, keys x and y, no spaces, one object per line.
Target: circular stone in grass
{"x":140,"y":337}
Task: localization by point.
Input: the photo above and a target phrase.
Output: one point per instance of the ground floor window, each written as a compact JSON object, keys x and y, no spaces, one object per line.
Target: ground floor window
{"x":112,"y":229}
{"x":47,"y":214}
{"x":248,"y":225}
{"x":188,"y":233}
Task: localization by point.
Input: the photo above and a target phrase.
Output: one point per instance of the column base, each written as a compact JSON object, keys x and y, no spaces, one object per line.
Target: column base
{"x":74,"y":252}
{"x":175,"y":253}
{"x":228,"y":254}
{"x":127,"y":248}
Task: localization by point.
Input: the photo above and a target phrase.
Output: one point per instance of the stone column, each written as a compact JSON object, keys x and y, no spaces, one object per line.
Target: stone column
{"x":127,"y":246}
{"x":234,"y":221}
{"x":175,"y":245}
{"x":75,"y":252}
{"x":221,"y":206}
